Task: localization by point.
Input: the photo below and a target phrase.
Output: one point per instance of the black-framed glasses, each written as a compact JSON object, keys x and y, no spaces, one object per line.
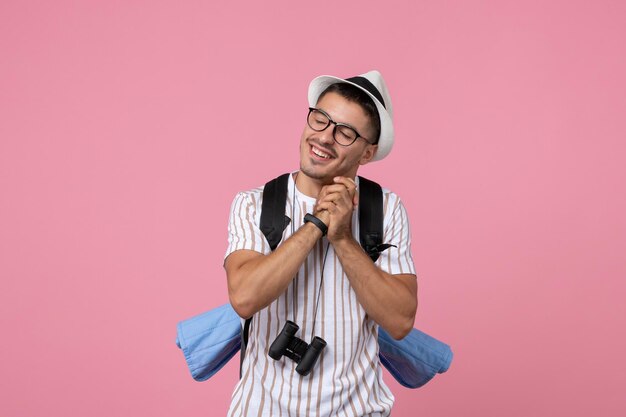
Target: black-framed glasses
{"x":344,"y":135}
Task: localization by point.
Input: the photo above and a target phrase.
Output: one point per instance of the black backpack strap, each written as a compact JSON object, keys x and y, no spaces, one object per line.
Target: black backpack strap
{"x":273,"y":223}
{"x":371,"y":218}
{"x":244,"y":343}
{"x":273,"y":219}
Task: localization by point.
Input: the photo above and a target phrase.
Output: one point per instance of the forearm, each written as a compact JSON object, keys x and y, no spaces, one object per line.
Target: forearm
{"x":260,"y":279}
{"x":390,"y":300}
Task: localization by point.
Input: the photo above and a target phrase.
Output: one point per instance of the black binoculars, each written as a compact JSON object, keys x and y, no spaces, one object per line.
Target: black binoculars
{"x":298,"y":350}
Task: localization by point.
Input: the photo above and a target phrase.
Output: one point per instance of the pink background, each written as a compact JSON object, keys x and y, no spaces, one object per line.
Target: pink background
{"x":126,"y":128}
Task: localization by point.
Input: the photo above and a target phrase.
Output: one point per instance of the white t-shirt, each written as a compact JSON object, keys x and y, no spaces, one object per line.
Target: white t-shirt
{"x":347,"y":378}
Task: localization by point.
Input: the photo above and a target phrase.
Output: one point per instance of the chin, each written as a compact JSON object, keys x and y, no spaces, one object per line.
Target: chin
{"x":312,"y":173}
{"x":318,"y":175}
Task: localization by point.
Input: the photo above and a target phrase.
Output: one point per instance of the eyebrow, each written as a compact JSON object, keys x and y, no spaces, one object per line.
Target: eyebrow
{"x":340,"y":123}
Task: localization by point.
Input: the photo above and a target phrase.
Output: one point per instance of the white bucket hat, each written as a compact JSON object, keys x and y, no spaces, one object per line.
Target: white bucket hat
{"x":374,"y":85}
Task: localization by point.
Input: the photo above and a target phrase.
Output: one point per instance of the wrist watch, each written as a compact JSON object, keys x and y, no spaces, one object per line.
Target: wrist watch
{"x":320,"y":224}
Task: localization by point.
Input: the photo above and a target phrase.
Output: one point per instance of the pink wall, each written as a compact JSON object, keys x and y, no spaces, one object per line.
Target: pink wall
{"x":126,"y":128}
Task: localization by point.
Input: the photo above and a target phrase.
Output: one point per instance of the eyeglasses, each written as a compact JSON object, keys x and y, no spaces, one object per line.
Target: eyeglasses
{"x":344,"y":134}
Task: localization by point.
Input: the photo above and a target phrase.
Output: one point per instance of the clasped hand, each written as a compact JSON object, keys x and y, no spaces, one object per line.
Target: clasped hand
{"x":334,"y":206}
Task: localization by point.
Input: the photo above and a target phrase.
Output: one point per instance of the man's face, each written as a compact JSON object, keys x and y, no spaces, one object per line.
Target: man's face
{"x":321,"y":158}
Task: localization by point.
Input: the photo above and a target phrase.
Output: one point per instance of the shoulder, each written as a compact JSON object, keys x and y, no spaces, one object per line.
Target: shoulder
{"x":247,"y":200}
{"x":391,"y":201}
{"x":251,"y":194}
{"x":387,"y":193}
{"x":256,"y":194}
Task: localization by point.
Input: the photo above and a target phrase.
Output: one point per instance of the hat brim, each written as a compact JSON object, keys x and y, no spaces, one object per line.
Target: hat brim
{"x":385,"y":141}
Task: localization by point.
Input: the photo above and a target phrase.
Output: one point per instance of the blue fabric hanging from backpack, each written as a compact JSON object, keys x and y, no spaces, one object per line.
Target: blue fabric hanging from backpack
{"x":211,"y":339}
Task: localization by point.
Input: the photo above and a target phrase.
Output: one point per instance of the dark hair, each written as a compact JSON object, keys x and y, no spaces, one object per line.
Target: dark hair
{"x":356,"y":95}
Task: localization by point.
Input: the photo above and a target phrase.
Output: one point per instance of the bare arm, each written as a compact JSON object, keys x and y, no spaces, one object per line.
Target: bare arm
{"x":255,"y":279}
{"x":390,"y":300}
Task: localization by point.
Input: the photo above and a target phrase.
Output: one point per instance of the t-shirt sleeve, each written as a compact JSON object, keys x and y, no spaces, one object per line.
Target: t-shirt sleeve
{"x":243,"y":227}
{"x":396,"y":260}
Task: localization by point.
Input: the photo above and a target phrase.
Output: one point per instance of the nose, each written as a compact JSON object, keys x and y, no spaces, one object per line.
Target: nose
{"x":327,"y":135}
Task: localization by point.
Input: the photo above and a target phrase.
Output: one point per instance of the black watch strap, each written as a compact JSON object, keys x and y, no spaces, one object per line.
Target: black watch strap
{"x":320,"y":224}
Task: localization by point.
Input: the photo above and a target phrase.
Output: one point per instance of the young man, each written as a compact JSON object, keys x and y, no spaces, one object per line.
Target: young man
{"x":319,"y":277}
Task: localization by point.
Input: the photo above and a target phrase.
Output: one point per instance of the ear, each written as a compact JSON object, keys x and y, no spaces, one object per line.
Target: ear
{"x":368,"y":154}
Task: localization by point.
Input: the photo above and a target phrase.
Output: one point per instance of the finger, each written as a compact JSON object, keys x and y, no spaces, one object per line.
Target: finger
{"x":350,"y":187}
{"x":334,"y":188}
{"x":339,"y":199}
{"x":341,"y":203}
{"x":352,"y":181}
{"x":327,"y":205}
{"x":347,"y":182}
{"x":323,"y":204}
{"x":330,"y":189}
{"x":337,"y":196}
{"x":344,"y":199}
{"x":330,"y":197}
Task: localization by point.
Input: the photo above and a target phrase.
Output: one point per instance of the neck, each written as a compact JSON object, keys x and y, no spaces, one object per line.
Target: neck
{"x":308,"y":186}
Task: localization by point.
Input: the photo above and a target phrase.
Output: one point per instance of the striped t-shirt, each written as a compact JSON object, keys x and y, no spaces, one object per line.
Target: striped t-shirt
{"x":347,"y":378}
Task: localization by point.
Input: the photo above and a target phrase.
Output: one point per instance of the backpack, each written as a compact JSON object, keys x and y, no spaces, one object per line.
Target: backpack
{"x":209,"y":340}
{"x":274,"y":221}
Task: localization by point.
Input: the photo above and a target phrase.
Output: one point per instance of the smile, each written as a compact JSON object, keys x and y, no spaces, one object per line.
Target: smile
{"x":320,"y":153}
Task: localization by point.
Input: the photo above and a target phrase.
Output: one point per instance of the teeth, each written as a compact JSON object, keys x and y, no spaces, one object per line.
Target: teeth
{"x":320,"y":153}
